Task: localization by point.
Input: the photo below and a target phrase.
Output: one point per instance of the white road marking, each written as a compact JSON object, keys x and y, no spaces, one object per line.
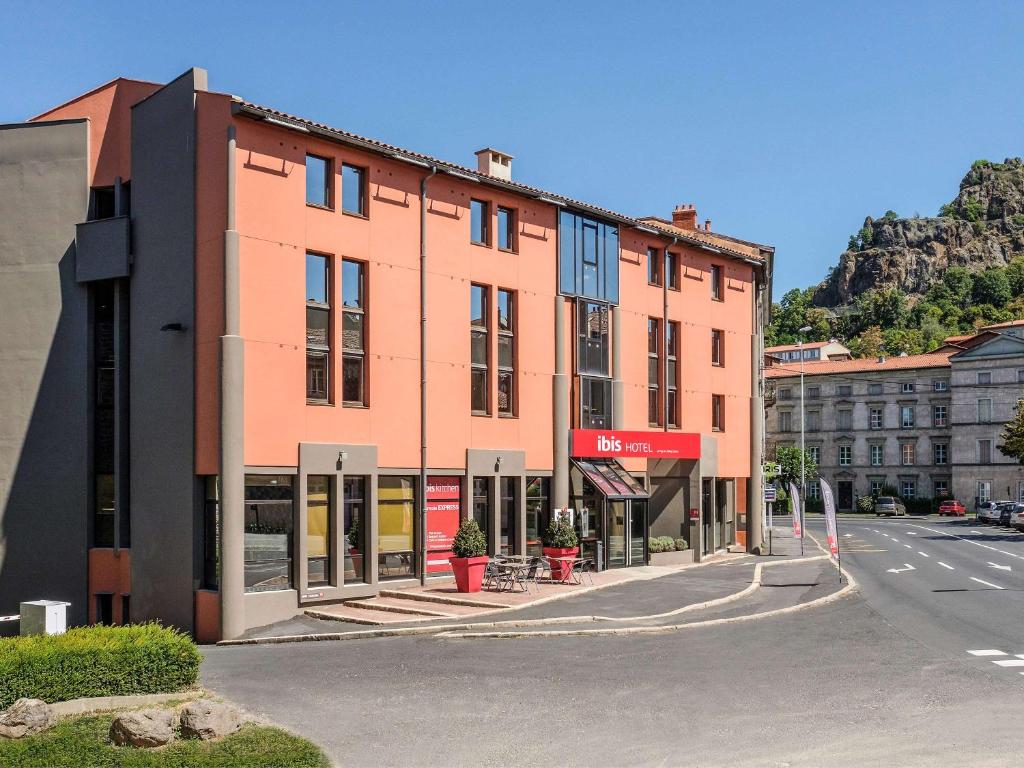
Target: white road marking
{"x":908,"y":546}
{"x":911,"y":533}
{"x":1000,"y":567}
{"x":1010,"y":662}
{"x":976,"y":543}
{"x":987,"y":652}
{"x":902,"y":570}
{"x":946,"y":566}
{"x":895,"y":539}
{"x":986,"y":583}
{"x":922,"y":554}
{"x":973,"y":531}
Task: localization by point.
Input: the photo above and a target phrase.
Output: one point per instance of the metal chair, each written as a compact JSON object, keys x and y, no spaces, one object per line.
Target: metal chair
{"x":492,"y":575}
{"x":586,"y":568}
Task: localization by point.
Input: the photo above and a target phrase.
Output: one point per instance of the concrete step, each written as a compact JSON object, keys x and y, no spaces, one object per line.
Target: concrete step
{"x":394,"y":605}
{"x":442,"y":599}
{"x":361,"y":616}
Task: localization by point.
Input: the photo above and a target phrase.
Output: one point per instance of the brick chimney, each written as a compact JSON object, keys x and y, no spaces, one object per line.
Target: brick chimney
{"x":685,"y":216}
{"x":707,"y":225}
{"x":494,"y":163}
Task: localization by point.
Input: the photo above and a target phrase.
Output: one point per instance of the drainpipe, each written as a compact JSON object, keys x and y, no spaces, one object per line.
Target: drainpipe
{"x":422,"y":528}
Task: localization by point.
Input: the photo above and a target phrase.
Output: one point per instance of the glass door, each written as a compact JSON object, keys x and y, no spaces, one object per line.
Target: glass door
{"x":707,"y":514}
{"x":637,"y":528}
{"x":616,"y":534}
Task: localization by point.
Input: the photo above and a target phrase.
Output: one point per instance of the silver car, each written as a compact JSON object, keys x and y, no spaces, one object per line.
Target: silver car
{"x":988,"y":512}
{"x":889,"y":505}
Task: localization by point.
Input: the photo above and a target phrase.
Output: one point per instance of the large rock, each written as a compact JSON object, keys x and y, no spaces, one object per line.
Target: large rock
{"x":206,"y":719}
{"x":146,"y":728}
{"x":25,"y":717}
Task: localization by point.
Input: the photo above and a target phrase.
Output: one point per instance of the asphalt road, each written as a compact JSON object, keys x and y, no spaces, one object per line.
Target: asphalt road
{"x":879,"y":678}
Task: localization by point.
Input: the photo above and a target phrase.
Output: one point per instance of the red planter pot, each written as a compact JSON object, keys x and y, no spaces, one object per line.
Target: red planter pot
{"x":469,"y":572}
{"x":559,"y":569}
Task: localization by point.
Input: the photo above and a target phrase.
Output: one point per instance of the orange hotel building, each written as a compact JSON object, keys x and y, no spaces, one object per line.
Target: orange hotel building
{"x":261,"y":364}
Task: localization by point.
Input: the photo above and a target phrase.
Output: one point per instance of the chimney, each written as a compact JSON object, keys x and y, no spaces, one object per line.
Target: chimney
{"x":494,"y":163}
{"x":685,"y":216}
{"x":707,"y":225}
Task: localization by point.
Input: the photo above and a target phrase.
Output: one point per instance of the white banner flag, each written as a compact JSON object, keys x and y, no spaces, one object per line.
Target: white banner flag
{"x":830,"y":518}
{"x":795,"y":496}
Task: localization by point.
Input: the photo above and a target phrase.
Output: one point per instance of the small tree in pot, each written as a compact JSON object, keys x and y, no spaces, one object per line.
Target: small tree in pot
{"x":469,"y":556}
{"x":560,"y":540}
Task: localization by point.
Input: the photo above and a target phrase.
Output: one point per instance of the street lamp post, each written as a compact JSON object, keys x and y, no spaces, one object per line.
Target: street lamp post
{"x":803,"y":481}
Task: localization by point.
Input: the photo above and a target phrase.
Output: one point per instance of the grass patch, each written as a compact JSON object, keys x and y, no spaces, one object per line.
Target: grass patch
{"x":83,"y":742}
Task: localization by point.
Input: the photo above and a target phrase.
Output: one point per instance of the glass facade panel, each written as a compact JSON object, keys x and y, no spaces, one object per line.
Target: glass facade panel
{"x":538,"y":513}
{"x":316,"y":278}
{"x":595,"y":403}
{"x":593,"y":332}
{"x":509,"y":514}
{"x":482,"y":506}
{"x":588,"y":258}
{"x":396,"y":507}
{"x":316,"y":375}
{"x":354,"y":524}
{"x":269,"y":530}
{"x":506,"y":229}
{"x":479,"y":214}
{"x":318,"y":530}
{"x":318,"y":180}
{"x":353,"y":190}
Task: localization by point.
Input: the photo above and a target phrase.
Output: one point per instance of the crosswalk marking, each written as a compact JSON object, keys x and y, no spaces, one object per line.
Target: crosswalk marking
{"x":1010,"y":662}
{"x":987,"y":652}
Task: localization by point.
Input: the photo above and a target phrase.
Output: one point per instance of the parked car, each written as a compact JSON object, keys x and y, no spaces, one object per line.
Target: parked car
{"x":952,"y":507}
{"x":1017,"y":516}
{"x":1005,"y":510}
{"x":889,"y":505}
{"x":987,"y":512}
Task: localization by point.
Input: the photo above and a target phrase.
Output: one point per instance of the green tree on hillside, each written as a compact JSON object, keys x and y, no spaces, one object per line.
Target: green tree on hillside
{"x":1013,"y":435}
{"x":992,"y":287}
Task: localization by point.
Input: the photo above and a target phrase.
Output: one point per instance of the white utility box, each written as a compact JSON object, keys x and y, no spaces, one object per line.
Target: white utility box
{"x":44,"y":617}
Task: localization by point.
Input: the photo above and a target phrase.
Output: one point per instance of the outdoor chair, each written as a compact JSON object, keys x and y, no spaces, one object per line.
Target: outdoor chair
{"x":523,"y":576}
{"x":492,"y":575}
{"x":586,"y":568}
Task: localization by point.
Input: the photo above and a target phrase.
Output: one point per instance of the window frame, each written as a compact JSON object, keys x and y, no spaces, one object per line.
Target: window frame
{"x":945,"y":454}
{"x":672,"y":270}
{"x":484,"y":331}
{"x":655,"y":263}
{"x":718,"y":348}
{"x":587,"y":382}
{"x":873,"y":450}
{"x":511,"y":228}
{"x":873,"y":423}
{"x":584,"y":343}
{"x":326,"y":559}
{"x":485,"y":223}
{"x":362,"y":311}
{"x":904,"y":422}
{"x":328,"y":190}
{"x":320,"y":352}
{"x":844,"y":455}
{"x":908,"y":451}
{"x":717,"y":288}
{"x":672,"y":330}
{"x":987,"y":401}
{"x":937,"y":422}
{"x":507,"y":370}
{"x":654,"y":335}
{"x":364,"y":198}
{"x":717,"y":413}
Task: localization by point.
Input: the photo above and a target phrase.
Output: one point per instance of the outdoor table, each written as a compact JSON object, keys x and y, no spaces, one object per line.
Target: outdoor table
{"x":566,"y":577}
{"x":507,"y":571}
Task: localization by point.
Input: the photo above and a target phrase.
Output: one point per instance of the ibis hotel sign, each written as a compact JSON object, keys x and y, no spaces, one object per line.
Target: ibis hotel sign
{"x":617,"y":443}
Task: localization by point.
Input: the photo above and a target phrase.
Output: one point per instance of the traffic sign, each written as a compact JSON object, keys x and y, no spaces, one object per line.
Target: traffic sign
{"x":769,"y":493}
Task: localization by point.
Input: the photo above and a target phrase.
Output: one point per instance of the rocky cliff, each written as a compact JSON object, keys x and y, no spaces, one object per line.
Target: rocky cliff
{"x":983,"y":227}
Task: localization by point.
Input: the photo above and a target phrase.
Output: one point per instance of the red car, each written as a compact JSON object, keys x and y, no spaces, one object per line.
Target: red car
{"x":952,"y":507}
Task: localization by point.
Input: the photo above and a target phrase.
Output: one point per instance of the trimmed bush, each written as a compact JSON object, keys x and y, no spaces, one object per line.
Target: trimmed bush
{"x":469,"y":541}
{"x":560,"y":535}
{"x":97,"y":661}
{"x":681,"y":544}
{"x":662,"y":544}
{"x":866,"y":504}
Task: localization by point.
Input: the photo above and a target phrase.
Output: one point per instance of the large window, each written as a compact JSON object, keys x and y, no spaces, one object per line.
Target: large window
{"x":844,"y":419}
{"x":653,"y":266}
{"x":908,"y":489}
{"x":354,"y":528}
{"x":592,"y":330}
{"x":845,"y":455}
{"x":506,"y":229}
{"x":588,"y":258}
{"x":479,"y":222}
{"x":717,"y":413}
{"x":509,"y":513}
{"x":908,"y":454}
{"x":318,"y":181}
{"x":269,"y":528}
{"x":716,"y":283}
{"x":479,"y":340}
{"x":985,"y":410}
{"x":353,"y":332}
{"x":672,"y":374}
{"x":318,"y":327}
{"x":595,"y":403}
{"x":939,"y":413}
{"x":654,"y":413}
{"x":877,"y":418}
{"x":538,"y":513}
{"x":717,"y":347}
{"x":506,"y":352}
{"x":984,"y":451}
{"x":785,"y":421}
{"x":876,"y":455}
{"x":906,"y":416}
{"x":353,"y":189}
{"x":672,"y":270}
{"x":318,"y":530}
{"x":396,"y":508}
{"x":482,"y":506}
{"x":940,"y":454}
{"x":815,"y":453}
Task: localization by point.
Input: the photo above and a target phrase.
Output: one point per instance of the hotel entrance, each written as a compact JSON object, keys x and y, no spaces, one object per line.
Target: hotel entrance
{"x":610,"y":513}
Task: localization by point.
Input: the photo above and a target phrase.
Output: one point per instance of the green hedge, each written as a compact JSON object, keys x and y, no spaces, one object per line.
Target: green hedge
{"x":665,"y":544}
{"x":97,"y":661}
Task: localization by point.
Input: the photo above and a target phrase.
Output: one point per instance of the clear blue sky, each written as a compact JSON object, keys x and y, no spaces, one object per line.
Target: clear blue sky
{"x":785,"y":122}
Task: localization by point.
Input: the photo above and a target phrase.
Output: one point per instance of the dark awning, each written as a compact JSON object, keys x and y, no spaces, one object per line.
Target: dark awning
{"x":608,"y":476}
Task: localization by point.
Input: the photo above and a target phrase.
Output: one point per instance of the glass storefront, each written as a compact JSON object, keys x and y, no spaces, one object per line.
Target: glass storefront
{"x":396,"y":507}
{"x":538,"y":513}
{"x":269,"y":528}
{"x":354,"y":527}
{"x":610,"y":509}
{"x":318,"y":530}
{"x":509,"y":513}
{"x":482,"y":506}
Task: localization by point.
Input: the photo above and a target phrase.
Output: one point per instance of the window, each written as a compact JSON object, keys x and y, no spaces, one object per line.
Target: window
{"x":672,"y":374}
{"x":592,"y":330}
{"x":844,"y":419}
{"x":211,"y":533}
{"x":479,"y":339}
{"x":506,"y":352}
{"x":876,"y":455}
{"x":105,"y":510}
{"x":814,"y":452}
{"x":718,"y":347}
{"x":984,"y":377}
{"x":940,"y":454}
{"x":812,"y":421}
{"x":907,"y":387}
{"x":353,"y":189}
{"x":939,"y":416}
{"x":318,"y":327}
{"x":813,"y":393}
{"x":672,"y":270}
{"x":941,"y":488}
{"x":908,"y":489}
{"x":103,"y":204}
{"x":588,"y":258}
{"x":844,"y":390}
{"x":482,"y":506}
{"x":353,"y":332}
{"x":876,"y":486}
{"x":318,"y":181}
{"x":1020,"y":376}
{"x":538,"y":512}
{"x":506,"y":229}
{"x":354,"y":528}
{"x":874,"y":389}
{"x":877,"y":418}
{"x":653,"y":371}
{"x":785,"y":421}
{"x":479,"y":221}
{"x":940,"y":385}
{"x":906,"y":416}
{"x":396,"y":506}
{"x":814,"y":491}
{"x":908,"y":454}
{"x":318,"y":530}
{"x":984,"y":491}
{"x":508,"y":514}
{"x":717,"y":413}
{"x":595,"y":403}
{"x":845,"y":455}
{"x":653,"y":267}
{"x":985,"y":410}
{"x":716,"y":283}
{"x":269,"y":528}
{"x":785,"y":394}
{"x":984,"y":451}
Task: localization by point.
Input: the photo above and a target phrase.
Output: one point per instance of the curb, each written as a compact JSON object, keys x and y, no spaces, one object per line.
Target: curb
{"x":107,"y":703}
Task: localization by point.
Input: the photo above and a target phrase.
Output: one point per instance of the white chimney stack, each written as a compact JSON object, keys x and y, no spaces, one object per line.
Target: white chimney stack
{"x":495,"y":163}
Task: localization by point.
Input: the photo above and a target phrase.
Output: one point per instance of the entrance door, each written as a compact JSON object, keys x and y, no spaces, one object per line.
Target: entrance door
{"x":844,"y":491}
{"x":637,"y":527}
{"x":722,"y":520}
{"x":617,"y":533}
{"x":707,"y":515}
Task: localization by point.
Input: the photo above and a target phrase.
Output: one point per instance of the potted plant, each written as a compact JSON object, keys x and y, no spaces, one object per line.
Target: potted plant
{"x":560,"y":540}
{"x":355,"y":563}
{"x":469,"y":557}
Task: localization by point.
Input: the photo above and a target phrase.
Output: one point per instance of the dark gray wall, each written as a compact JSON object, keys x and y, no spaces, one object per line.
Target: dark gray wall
{"x":44,"y":364}
{"x":163,"y":485}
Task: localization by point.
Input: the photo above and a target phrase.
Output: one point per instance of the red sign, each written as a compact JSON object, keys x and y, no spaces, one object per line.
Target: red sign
{"x":444,"y":509}
{"x":617,"y":443}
